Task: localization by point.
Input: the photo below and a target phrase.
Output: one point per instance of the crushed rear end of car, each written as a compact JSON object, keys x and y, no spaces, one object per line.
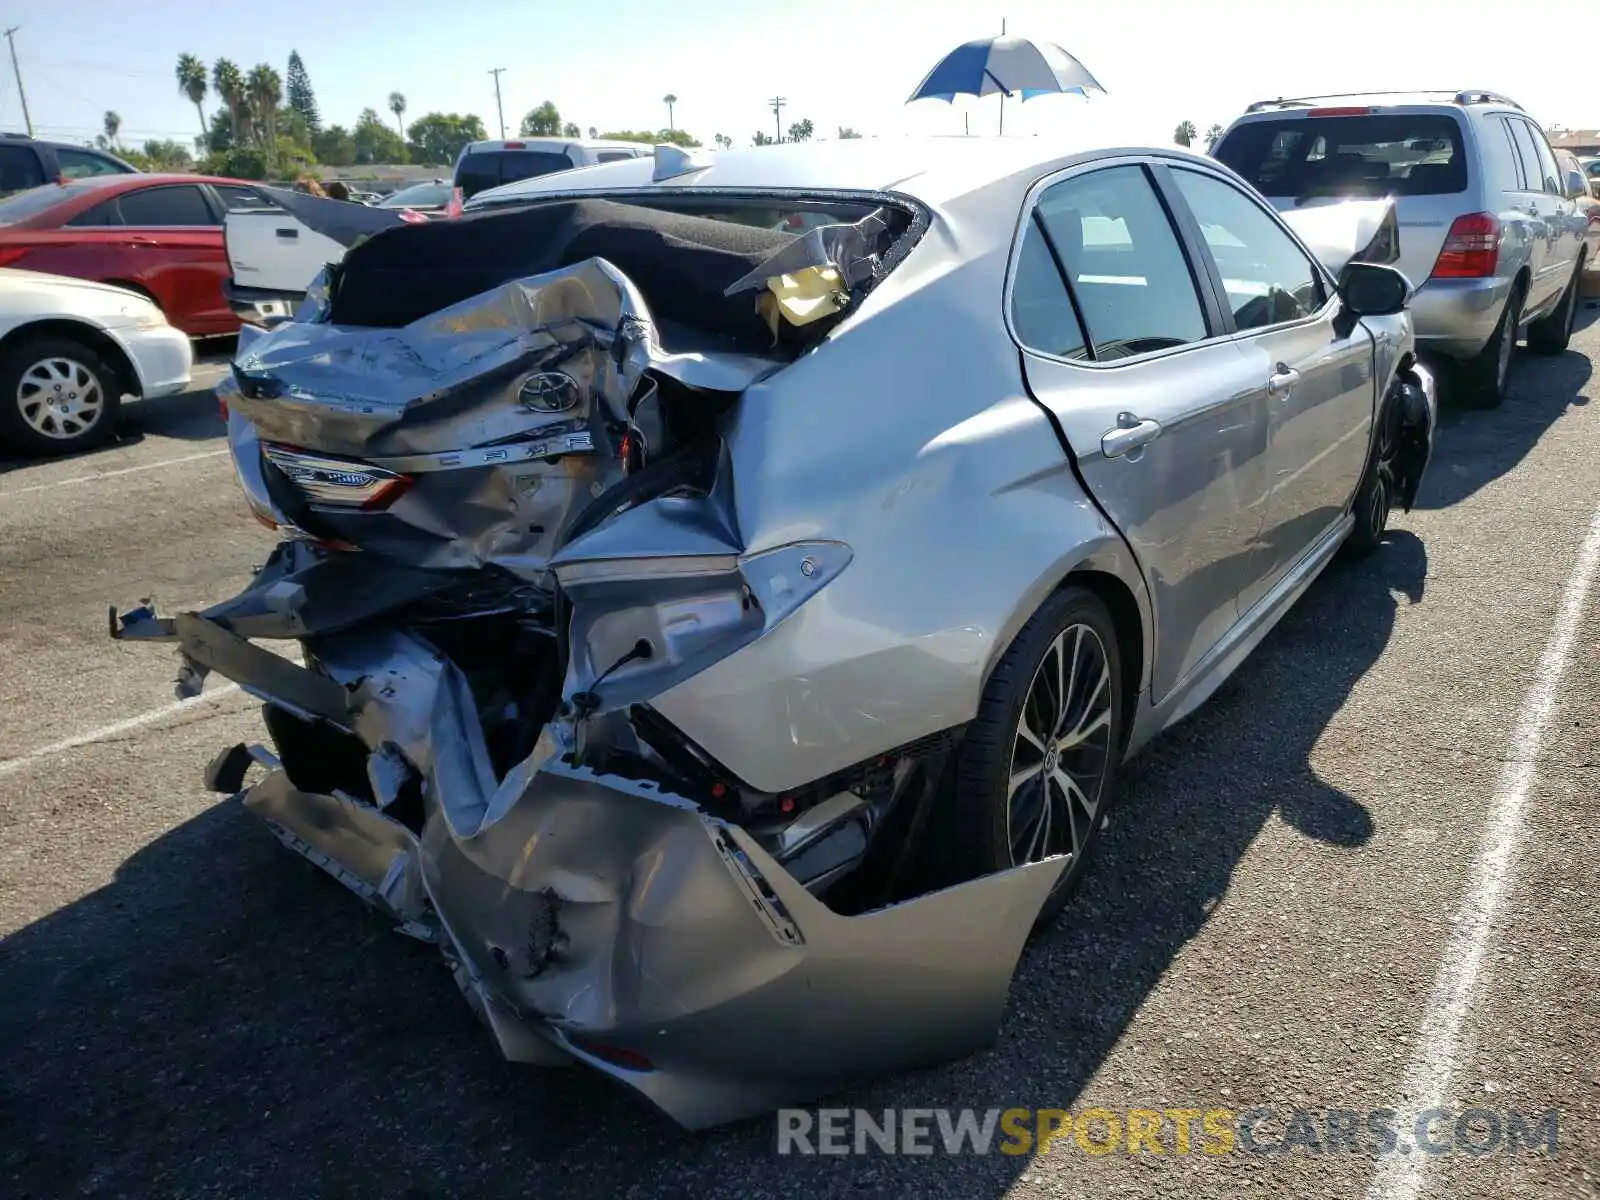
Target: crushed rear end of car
{"x":496,"y":449}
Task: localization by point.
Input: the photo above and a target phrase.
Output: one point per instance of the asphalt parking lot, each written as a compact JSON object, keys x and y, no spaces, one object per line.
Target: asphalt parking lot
{"x":187,"y":1010}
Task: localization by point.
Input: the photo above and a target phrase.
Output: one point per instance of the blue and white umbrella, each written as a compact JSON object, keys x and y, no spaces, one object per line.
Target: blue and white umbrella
{"x":1007,"y":65}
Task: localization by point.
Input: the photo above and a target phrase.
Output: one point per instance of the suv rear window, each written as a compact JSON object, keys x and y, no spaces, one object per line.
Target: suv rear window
{"x":1390,"y":154}
{"x":491,"y":168}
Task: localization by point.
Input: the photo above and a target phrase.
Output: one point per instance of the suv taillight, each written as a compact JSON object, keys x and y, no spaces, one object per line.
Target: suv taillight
{"x":1471,"y":249}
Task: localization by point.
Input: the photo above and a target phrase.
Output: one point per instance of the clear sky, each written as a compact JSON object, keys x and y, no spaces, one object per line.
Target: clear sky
{"x":607,"y":63}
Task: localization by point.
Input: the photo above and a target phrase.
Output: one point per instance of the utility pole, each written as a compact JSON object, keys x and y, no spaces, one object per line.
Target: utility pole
{"x":777,"y":103}
{"x":497,"y":106}
{"x":17,"y":71}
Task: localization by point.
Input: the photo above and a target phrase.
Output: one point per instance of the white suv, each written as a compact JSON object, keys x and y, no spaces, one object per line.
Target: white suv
{"x":483,"y":165}
{"x":1491,"y":233}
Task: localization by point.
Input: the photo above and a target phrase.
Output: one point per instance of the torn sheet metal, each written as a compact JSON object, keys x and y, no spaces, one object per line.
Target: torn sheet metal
{"x":1340,"y":232}
{"x":469,"y":438}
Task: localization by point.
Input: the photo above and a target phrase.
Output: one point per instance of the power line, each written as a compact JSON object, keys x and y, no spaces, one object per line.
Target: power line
{"x":777,"y":103}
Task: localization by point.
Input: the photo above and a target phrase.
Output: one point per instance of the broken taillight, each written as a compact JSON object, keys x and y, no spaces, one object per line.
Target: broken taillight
{"x":1471,"y":249}
{"x":338,"y":483}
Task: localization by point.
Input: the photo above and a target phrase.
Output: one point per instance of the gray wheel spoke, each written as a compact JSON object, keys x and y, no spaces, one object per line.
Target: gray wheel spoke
{"x":1018,"y":778}
{"x":59,"y":397}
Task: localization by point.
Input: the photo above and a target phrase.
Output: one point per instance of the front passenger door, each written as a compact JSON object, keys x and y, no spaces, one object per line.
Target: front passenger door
{"x":1125,"y":345}
{"x":1313,"y":372}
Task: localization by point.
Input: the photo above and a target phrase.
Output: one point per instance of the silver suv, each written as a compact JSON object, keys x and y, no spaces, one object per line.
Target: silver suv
{"x":1490,"y":231}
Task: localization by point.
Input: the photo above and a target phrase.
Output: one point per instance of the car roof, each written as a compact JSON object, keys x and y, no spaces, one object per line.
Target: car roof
{"x":1456,"y":98}
{"x":934,"y":170}
{"x":548,"y":143}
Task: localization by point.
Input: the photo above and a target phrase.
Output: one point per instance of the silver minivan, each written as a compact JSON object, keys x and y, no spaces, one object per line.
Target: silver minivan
{"x":1491,"y":234}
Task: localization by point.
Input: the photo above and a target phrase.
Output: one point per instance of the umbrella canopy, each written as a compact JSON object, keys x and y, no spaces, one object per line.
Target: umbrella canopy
{"x":1006,"y":65}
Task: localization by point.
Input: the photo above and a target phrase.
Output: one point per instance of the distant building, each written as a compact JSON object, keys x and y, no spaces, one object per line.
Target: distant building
{"x":1579,"y":141}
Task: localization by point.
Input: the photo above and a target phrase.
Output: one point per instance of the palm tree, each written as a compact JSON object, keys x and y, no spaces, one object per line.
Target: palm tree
{"x":265,"y":91}
{"x":1184,"y":133}
{"x":229,"y":85}
{"x":397,"y":105}
{"x":723,"y":141}
{"x":1212,"y":135}
{"x":669,"y":100}
{"x":192,"y":83}
{"x":113,"y":122}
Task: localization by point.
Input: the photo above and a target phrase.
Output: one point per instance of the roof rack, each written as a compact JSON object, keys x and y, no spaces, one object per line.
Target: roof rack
{"x":1453,"y":95}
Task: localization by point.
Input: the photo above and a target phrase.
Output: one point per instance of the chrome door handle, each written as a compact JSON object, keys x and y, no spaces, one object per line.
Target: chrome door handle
{"x":1130,"y":434}
{"x":1281,"y":380}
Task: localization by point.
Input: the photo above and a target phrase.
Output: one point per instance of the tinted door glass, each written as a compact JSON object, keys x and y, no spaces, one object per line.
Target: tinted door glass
{"x":1532,"y":170}
{"x":78,"y":164}
{"x":104,"y":213}
{"x":19,"y":168}
{"x":1402,"y":154}
{"x":1268,"y":279}
{"x":172,"y":206}
{"x":1547,"y":161}
{"x":478,"y":172}
{"x":1041,"y":309}
{"x":1124,"y":263}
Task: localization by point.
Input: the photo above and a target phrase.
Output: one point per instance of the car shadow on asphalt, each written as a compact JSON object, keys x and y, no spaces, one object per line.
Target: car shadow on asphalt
{"x":1474,"y":447}
{"x":224,"y":1018}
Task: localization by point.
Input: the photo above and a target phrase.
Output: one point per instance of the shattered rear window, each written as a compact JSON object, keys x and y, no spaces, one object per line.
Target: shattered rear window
{"x":1382,"y":154}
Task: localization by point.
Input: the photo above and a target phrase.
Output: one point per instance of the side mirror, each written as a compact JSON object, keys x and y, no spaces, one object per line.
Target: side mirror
{"x":1372,"y":290}
{"x":1577,"y":185}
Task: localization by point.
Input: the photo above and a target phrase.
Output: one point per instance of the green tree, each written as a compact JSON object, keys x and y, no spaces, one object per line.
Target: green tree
{"x":592,"y":134}
{"x":334,"y":146}
{"x":571,"y":130}
{"x":219,"y":138}
{"x":265,"y":88}
{"x":229,"y":85}
{"x":191,"y":74}
{"x":846,"y":133}
{"x":761,"y":139}
{"x":723,"y":141}
{"x":397,"y":105}
{"x":161,"y":156}
{"x":112,"y":122}
{"x":1184,"y":133}
{"x":1212,"y":135}
{"x":544,"y":121}
{"x":676,"y":137}
{"x":301,"y":98}
{"x":375,"y":141}
{"x":670,"y":100}
{"x":801,"y":131}
{"x":439,"y":137}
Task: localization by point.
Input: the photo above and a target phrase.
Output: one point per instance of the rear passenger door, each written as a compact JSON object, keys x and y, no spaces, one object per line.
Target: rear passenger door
{"x":1541,"y":207}
{"x":1314,"y":371}
{"x":1123,"y":340}
{"x":170,"y":239}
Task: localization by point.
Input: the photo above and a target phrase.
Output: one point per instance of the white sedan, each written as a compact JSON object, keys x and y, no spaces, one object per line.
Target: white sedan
{"x":70,"y":350}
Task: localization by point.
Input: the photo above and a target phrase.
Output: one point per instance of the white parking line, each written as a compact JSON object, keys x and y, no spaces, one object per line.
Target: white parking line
{"x":1444,"y":1040}
{"x":10,"y":766}
{"x":166,"y":462}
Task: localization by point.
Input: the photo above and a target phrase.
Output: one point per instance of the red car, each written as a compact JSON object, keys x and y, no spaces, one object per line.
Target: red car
{"x":157,"y":234}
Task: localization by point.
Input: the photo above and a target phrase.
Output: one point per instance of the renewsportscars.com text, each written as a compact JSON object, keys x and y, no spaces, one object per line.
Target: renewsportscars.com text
{"x":1211,"y":1131}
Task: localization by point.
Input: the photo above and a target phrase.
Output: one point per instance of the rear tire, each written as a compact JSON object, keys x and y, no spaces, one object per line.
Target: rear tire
{"x":1374,"y":498}
{"x":56,"y":397}
{"x":1550,"y":334}
{"x":1489,"y":374}
{"x":1035,"y":773}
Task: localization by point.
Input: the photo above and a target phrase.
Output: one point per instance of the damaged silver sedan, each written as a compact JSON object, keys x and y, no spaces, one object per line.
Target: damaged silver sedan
{"x":716,"y":596}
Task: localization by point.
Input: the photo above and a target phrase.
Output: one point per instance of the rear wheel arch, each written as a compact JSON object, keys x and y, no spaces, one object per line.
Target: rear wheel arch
{"x":1129,"y":616}
{"x":103,"y":344}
